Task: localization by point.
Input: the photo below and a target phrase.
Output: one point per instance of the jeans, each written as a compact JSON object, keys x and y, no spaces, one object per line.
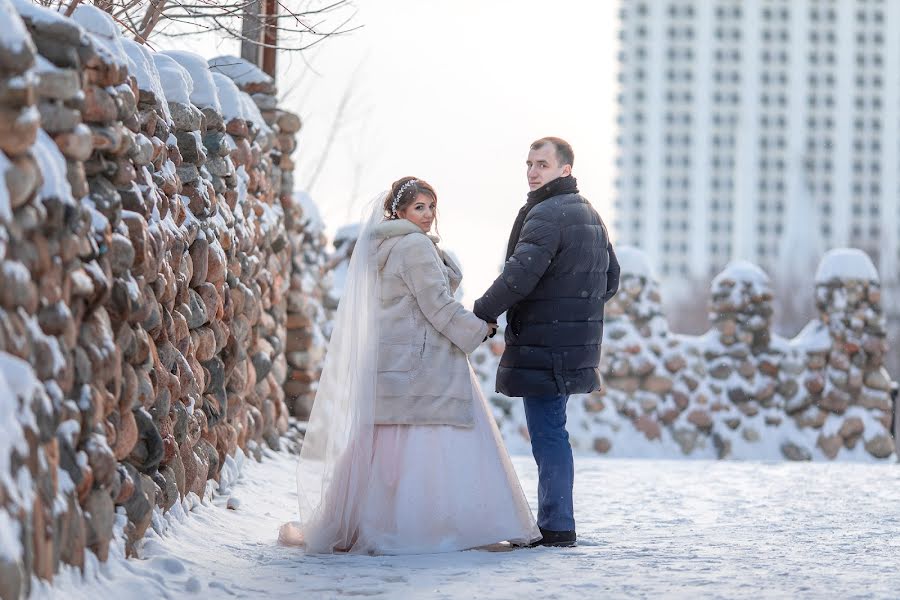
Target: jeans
{"x":546,"y":417}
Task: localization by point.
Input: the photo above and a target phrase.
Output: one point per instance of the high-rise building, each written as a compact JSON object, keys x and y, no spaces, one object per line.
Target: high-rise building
{"x":730,"y":110}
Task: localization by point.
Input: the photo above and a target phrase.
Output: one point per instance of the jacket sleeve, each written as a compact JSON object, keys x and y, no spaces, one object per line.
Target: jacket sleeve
{"x":455,"y":271}
{"x":537,"y":245}
{"x":424,"y":277}
{"x":612,"y":275}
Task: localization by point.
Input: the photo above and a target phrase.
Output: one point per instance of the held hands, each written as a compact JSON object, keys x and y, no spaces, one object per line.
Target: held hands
{"x":492,"y":331}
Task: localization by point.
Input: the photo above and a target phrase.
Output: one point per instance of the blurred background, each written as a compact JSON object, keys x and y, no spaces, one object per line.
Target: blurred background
{"x":704,"y":130}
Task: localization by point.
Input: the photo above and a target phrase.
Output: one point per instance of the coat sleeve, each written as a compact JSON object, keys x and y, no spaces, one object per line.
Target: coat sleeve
{"x":455,"y":271}
{"x":612,"y":275}
{"x":424,"y":277}
{"x":536,"y":248}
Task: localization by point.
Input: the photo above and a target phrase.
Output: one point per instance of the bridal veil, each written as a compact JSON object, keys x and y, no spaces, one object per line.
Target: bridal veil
{"x":333,"y":471}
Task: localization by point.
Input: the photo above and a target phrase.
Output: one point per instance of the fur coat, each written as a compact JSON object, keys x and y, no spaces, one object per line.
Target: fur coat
{"x":425,"y":334}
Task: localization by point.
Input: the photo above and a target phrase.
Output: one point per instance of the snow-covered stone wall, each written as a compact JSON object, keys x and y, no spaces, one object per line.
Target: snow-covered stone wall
{"x":740,"y":390}
{"x":152,"y":265}
{"x":309,"y":313}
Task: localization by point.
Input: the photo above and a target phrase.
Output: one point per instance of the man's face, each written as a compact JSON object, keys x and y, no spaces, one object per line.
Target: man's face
{"x":543,"y":167}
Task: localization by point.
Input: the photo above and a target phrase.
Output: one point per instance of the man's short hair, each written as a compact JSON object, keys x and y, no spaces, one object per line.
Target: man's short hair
{"x":564,"y":153}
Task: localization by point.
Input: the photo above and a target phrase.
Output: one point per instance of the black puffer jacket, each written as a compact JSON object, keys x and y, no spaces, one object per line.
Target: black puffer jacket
{"x":553,"y":288}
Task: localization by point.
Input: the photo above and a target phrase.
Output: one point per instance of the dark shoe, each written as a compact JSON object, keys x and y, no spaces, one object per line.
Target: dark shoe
{"x":556,"y":539}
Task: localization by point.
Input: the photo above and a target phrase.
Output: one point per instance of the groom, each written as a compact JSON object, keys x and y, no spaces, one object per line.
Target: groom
{"x":560,"y":271}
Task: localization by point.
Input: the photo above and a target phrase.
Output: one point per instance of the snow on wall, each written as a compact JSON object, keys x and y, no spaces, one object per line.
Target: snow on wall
{"x":35,"y":12}
{"x":13,"y":36}
{"x":104,"y":33}
{"x":738,"y":391}
{"x":634,"y":261}
{"x":239,"y":70}
{"x":743,"y":271}
{"x":151,"y":264}
{"x":176,"y":82}
{"x":253,"y":114}
{"x":310,"y":210}
{"x":143,"y":67}
{"x":10,"y":531}
{"x":53,"y":168}
{"x":204,"y":91}
{"x":230,"y":97}
{"x":18,"y":387}
{"x":846,"y":263}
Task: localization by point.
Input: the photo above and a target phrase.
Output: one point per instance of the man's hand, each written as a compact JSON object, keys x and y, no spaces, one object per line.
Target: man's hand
{"x":492,"y":329}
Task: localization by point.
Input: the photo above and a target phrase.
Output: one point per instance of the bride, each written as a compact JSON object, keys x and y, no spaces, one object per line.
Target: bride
{"x":402,"y":455}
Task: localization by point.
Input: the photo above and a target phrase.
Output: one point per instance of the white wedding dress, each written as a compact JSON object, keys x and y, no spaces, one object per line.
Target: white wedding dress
{"x":395,"y":489}
{"x":438,"y":488}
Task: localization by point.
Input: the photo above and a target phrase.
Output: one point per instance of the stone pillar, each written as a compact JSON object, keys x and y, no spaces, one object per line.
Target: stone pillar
{"x":743,"y":358}
{"x":850,"y":376}
{"x":640,"y":359}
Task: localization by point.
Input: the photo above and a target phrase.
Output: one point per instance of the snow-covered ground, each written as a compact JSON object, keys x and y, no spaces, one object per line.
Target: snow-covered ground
{"x":682,"y":529}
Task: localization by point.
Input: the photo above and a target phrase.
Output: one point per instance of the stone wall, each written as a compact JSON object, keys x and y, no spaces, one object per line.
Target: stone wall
{"x":308,"y":315}
{"x":739,"y":390}
{"x":150,"y":249}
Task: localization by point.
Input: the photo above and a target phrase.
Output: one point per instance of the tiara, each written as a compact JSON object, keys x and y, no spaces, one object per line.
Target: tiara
{"x":402,"y":189}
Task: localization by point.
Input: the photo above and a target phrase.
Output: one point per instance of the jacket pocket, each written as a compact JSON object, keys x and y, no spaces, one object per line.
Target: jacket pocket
{"x":512,"y":321}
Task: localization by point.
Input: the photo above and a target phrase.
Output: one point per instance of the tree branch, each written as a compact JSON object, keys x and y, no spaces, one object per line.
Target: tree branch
{"x":71,"y":8}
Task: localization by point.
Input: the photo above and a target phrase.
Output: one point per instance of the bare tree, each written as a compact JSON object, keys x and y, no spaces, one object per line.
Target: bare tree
{"x":260,"y":25}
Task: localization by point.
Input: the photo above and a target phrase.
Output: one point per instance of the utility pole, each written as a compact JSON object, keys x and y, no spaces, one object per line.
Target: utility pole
{"x":251,"y":30}
{"x":259,"y":30}
{"x":270,"y":38}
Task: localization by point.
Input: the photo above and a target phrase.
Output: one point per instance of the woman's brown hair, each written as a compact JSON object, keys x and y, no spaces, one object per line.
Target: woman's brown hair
{"x":411,"y":187}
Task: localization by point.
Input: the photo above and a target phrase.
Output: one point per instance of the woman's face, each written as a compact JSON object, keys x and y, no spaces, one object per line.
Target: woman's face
{"x":421,"y":212}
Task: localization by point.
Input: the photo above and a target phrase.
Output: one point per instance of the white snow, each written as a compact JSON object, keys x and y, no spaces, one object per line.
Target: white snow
{"x":347,"y":233}
{"x":634,"y":261}
{"x":204,"y":93}
{"x":175,"y":80}
{"x":252,"y":114}
{"x":647,"y":528}
{"x":846,"y":263}
{"x":239,"y":70}
{"x":42,"y":65}
{"x":10,"y":530}
{"x":742,"y":271}
{"x":310,"y":210}
{"x":12,"y":434}
{"x":53,"y":168}
{"x":232,"y":105}
{"x":34,"y":328}
{"x":144,"y":70}
{"x":38,"y":14}
{"x":18,"y":386}
{"x":103,"y":31}
{"x":813,"y":338}
{"x":13,"y":35}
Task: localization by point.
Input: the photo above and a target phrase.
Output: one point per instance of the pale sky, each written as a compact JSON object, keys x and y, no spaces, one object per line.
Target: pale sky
{"x":453,"y":92}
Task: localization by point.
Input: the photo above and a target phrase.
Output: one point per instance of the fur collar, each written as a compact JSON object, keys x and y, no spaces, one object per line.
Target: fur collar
{"x":397,"y":227}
